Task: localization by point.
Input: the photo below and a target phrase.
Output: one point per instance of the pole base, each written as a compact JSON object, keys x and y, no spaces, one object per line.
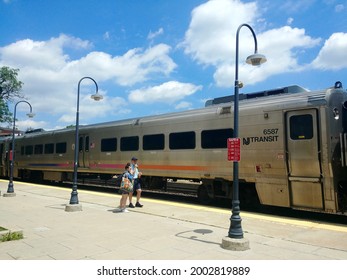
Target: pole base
{"x":235,"y":244}
{"x":73,"y":207}
{"x":9,"y":194}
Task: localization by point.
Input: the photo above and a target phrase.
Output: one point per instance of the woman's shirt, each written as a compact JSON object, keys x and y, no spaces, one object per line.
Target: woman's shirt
{"x":128,"y":175}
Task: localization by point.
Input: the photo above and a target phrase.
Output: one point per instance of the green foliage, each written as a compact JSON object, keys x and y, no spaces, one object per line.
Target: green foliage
{"x":11,"y":236}
{"x":10,"y":88}
{"x":5,"y":114}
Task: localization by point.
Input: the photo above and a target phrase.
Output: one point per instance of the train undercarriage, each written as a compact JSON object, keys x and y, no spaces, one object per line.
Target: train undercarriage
{"x":206,"y":190}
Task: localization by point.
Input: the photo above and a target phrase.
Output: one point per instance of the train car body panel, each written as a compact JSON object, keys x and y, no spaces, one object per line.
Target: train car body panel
{"x":293,"y":148}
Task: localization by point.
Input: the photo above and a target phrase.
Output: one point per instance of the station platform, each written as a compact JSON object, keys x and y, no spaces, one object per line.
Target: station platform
{"x":161,"y":230}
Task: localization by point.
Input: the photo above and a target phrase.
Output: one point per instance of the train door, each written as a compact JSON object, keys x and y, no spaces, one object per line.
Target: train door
{"x":2,"y":160}
{"x":303,"y":159}
{"x":83,"y":151}
{"x":5,"y":158}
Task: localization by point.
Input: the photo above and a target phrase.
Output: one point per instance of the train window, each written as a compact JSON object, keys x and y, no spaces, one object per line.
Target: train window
{"x":153,"y":142}
{"x":216,"y":138}
{"x":38,"y":149}
{"x":80,"y":144}
{"x":129,"y":143}
{"x":29,"y":150}
{"x":60,"y":148}
{"x":49,"y":148}
{"x":182,"y":140}
{"x":87,"y":144}
{"x":301,"y":127}
{"x":109,"y":145}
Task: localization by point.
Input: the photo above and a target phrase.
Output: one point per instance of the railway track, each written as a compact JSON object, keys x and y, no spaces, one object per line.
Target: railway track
{"x":185,"y":191}
{"x":179,"y":188}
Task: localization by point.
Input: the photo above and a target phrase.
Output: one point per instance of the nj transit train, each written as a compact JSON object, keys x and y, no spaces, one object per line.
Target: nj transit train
{"x":293,"y":149}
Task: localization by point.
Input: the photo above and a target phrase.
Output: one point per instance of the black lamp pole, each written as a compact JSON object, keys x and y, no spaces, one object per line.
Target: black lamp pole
{"x":10,"y":189}
{"x":74,"y":193}
{"x":235,"y":230}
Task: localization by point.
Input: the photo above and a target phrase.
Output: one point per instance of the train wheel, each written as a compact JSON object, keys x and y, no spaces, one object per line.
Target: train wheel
{"x":203,"y":196}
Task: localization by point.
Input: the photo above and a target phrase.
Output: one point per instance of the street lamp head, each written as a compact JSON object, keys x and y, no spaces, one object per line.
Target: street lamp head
{"x":31,"y":115}
{"x":256,"y":59}
{"x":97,"y":96}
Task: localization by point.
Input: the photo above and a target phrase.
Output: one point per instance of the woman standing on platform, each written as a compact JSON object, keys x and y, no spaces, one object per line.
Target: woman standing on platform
{"x":127,"y":175}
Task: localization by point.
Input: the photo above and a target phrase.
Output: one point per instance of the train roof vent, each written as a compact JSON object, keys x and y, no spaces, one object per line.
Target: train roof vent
{"x":224,"y":110}
{"x":38,"y":130}
{"x":136,"y":122}
{"x":219,"y":100}
{"x":284,"y":90}
{"x":243,"y":96}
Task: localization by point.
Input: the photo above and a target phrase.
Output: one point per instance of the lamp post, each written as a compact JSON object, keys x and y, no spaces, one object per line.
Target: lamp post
{"x":74,"y":194}
{"x":235,"y":230}
{"x":10,"y":189}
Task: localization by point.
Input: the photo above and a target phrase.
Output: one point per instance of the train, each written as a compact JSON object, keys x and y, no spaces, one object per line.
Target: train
{"x":293,"y":145}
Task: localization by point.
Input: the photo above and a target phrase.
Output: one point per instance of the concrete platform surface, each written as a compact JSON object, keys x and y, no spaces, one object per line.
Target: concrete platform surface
{"x":160,"y":230}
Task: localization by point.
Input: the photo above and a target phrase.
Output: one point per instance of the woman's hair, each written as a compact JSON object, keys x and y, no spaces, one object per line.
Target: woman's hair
{"x":127,"y":165}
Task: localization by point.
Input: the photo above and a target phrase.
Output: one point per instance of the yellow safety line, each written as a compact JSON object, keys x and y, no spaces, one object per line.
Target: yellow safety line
{"x":290,"y":221}
{"x":260,"y":217}
{"x":295,"y":222}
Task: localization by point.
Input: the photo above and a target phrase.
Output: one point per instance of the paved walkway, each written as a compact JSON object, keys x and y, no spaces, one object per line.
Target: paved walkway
{"x":161,"y":230}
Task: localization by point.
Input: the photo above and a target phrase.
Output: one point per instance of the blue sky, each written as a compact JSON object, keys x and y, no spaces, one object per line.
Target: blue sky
{"x":158,"y":56}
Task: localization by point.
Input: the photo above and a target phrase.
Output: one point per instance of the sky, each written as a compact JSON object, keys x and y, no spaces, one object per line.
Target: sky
{"x":151,"y":57}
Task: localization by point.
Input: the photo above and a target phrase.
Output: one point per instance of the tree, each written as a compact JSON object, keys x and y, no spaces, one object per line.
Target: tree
{"x":5,"y":114}
{"x":10,"y":88}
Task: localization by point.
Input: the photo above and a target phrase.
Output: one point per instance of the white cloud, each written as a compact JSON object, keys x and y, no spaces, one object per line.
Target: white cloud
{"x":50,"y":76}
{"x":292,"y":6}
{"x":211,"y":41}
{"x":152,"y":35}
{"x":26,"y":124}
{"x":94,"y":109}
{"x":290,"y":21}
{"x":106,"y":35}
{"x":168,"y":92}
{"x":47,"y":55}
{"x":183,"y":105}
{"x":333,"y":54}
{"x":134,"y":66}
{"x":339,"y":8}
{"x":282,"y":52}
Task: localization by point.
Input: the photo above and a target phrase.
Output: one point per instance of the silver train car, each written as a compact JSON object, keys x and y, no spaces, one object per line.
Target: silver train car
{"x":293,"y":149}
